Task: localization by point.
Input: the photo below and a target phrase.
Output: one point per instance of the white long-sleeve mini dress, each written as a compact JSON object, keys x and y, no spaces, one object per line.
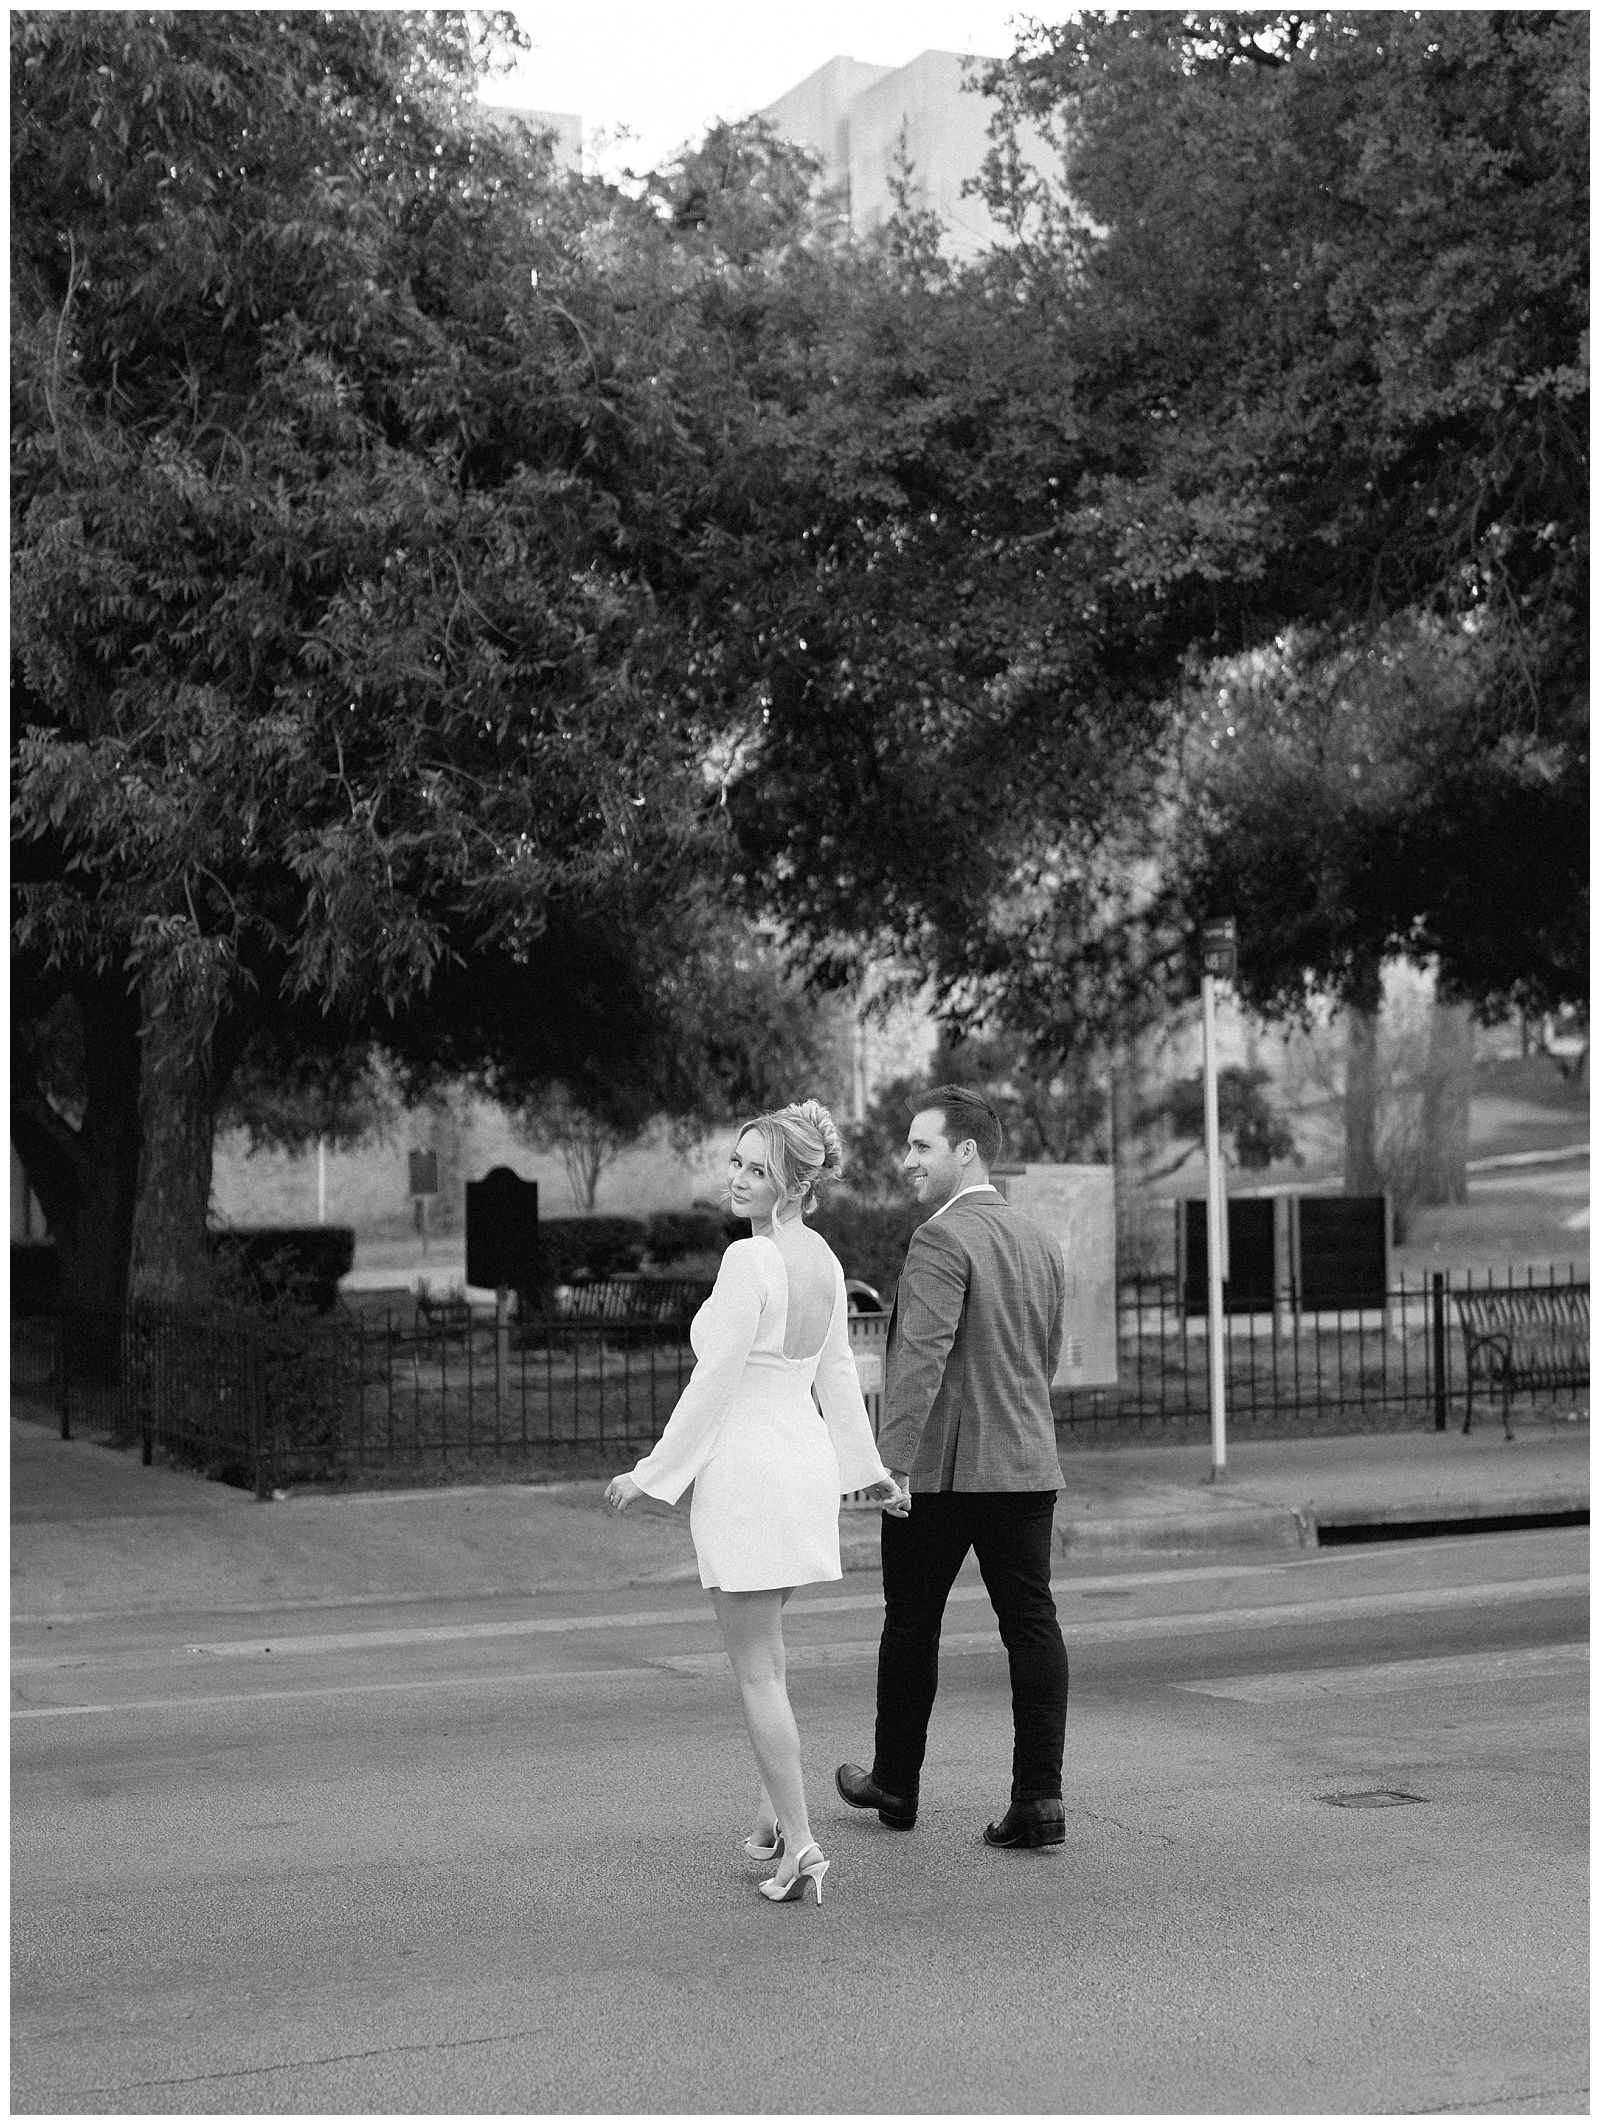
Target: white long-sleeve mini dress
{"x":768,"y":1470}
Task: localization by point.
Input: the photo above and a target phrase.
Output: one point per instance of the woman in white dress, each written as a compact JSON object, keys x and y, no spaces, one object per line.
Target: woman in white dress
{"x":768,"y":1471}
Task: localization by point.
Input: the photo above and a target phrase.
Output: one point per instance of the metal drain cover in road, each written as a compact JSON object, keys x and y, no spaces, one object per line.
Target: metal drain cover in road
{"x":1384,"y":1797}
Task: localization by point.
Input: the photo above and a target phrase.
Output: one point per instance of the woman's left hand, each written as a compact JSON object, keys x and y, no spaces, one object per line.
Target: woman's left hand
{"x":621,"y":1492}
{"x":890,"y":1497}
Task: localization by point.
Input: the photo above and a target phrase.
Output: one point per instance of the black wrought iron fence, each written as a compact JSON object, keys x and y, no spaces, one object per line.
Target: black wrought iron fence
{"x":425,"y":1391}
{"x":1288,"y":1368}
{"x":444,"y":1390}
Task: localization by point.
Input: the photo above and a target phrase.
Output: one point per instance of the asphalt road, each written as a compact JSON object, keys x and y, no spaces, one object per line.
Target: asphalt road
{"x":485,"y":1858}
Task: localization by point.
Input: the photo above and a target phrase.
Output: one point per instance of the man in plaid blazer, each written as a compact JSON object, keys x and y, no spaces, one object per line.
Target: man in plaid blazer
{"x":974,"y":1340}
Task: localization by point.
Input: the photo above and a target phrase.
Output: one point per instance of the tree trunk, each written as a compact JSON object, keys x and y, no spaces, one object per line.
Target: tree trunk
{"x":1446,"y":1105}
{"x":86,"y":1177}
{"x":1361,"y":1175}
{"x":177,"y":1108}
{"x":1123,"y":1108}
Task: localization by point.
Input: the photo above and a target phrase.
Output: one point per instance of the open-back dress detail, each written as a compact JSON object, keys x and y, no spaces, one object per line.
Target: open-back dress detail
{"x":768,"y":1470}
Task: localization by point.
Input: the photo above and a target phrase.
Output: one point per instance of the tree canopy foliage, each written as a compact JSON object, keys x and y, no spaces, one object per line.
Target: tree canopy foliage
{"x":434,"y":579}
{"x":1287,"y":365}
{"x":1327,"y":277}
{"x":360,"y":471}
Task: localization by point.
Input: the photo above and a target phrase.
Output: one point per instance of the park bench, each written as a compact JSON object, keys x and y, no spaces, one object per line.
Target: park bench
{"x":630,"y":1301}
{"x":443,"y":1320}
{"x":1536,"y":1337}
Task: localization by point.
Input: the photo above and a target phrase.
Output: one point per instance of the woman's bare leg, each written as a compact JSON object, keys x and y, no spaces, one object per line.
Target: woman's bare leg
{"x":767,"y":1823}
{"x":752,"y":1630}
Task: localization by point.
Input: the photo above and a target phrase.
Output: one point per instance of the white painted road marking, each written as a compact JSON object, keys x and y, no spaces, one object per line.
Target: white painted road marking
{"x":639,"y":1619}
{"x":1451,"y":1671}
{"x":1412,"y":1601}
{"x":1334,"y":1608}
{"x":332,"y":1689}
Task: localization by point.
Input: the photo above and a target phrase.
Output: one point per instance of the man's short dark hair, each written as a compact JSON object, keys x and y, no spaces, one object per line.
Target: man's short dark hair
{"x":966,"y":1114}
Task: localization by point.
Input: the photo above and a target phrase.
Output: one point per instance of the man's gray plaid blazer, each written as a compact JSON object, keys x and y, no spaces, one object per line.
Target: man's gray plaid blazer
{"x":974,"y":1340}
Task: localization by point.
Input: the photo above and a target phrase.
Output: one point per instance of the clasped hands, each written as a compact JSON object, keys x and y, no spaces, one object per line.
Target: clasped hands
{"x":894,"y":1496}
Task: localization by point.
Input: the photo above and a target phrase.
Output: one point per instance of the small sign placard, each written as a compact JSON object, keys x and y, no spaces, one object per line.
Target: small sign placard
{"x":1219,"y":940}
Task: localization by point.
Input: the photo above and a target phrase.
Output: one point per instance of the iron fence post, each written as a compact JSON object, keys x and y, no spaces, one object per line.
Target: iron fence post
{"x":62,"y":1344}
{"x":256,"y":1373}
{"x":1440,"y":1390}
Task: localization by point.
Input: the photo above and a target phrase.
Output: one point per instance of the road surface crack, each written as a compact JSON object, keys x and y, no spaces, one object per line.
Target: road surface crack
{"x":335,"y":2058}
{"x":1520,"y":2097}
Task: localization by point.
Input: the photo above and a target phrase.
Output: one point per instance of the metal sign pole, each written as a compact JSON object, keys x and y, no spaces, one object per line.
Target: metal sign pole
{"x":1219,"y":957}
{"x":1216,"y":1233}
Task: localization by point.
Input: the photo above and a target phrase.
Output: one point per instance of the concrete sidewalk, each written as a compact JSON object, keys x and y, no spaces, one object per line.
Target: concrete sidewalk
{"x":95,"y":1533}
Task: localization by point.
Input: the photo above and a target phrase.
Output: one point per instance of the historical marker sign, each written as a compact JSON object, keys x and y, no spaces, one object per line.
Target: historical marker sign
{"x":503,"y":1232}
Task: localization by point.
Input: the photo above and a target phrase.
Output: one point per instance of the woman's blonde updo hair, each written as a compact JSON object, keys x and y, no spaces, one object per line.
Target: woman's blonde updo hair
{"x":803,"y":1148}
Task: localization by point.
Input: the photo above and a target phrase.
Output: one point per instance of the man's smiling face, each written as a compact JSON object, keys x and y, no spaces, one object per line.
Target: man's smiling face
{"x":935,"y":1165}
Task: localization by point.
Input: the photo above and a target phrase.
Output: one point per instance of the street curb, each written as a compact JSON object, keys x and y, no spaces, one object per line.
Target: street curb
{"x":1267,"y":1527}
{"x":1271,"y":1527}
{"x":1462,"y":1512}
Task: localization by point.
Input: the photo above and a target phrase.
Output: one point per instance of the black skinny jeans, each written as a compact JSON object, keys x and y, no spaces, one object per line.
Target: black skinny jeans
{"x":1010,"y":1530}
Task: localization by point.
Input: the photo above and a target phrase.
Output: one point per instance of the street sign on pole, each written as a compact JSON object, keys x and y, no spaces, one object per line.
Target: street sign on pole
{"x":1219,"y":942}
{"x":424,"y":1182}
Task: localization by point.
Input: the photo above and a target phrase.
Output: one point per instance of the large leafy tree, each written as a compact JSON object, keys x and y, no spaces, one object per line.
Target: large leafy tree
{"x":936,"y":730}
{"x":1292,"y":351}
{"x":356,"y":464}
{"x":1327,"y":279}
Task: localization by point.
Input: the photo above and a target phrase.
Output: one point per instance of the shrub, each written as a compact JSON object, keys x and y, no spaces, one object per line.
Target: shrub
{"x":870,"y":1239}
{"x":578,"y":1248}
{"x":672,"y":1234}
{"x":35,"y":1276}
{"x":283,"y":1268}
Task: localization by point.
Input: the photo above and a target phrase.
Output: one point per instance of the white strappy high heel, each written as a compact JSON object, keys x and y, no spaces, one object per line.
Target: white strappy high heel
{"x":809,"y":1870}
{"x":755,"y":1850}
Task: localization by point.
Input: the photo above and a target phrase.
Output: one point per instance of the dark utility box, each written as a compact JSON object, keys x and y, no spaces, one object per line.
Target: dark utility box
{"x":1250,"y":1256}
{"x":1342,"y":1250}
{"x":1312,"y":1253}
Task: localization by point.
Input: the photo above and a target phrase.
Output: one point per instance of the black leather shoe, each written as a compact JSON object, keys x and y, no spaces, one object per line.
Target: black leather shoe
{"x":862,"y":1790}
{"x":1027,"y":1823}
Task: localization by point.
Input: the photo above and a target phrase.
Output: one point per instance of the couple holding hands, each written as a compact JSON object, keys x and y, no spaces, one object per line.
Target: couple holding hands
{"x":965,"y":1459}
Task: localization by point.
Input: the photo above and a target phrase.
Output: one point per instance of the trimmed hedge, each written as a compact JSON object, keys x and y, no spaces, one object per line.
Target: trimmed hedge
{"x":671,"y":1234}
{"x":35,"y":1276}
{"x":277,"y":1267}
{"x":291,"y":1268}
{"x":870,"y":1239}
{"x":580,"y":1248}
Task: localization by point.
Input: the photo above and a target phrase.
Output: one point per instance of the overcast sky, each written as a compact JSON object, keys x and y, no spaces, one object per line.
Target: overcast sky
{"x":666,"y":71}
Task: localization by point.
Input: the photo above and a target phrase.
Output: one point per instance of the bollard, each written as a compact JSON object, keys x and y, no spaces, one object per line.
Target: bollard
{"x":1440,"y":1394}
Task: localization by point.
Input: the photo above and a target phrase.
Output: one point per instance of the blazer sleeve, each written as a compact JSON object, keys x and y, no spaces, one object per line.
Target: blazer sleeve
{"x":843,"y":1410}
{"x":931,"y":1294}
{"x":727,"y":1330}
{"x":1058,"y":1318}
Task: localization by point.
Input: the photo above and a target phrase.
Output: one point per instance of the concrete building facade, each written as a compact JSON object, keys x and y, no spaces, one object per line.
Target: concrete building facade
{"x":860,"y":117}
{"x":563,"y":129}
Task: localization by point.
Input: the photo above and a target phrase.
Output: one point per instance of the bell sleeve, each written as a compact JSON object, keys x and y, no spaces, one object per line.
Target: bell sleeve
{"x":727,"y":1326}
{"x":843,"y":1411}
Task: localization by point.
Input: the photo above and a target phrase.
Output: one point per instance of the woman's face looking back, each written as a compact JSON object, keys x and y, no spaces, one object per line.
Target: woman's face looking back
{"x":752,"y":1191}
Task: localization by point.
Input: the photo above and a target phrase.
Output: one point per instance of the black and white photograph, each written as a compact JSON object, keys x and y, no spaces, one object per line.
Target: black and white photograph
{"x":799,"y":1067}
